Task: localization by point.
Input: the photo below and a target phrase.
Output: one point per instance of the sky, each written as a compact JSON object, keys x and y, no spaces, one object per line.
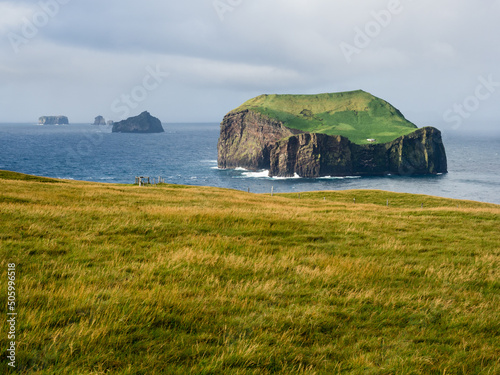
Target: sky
{"x":195,"y":60}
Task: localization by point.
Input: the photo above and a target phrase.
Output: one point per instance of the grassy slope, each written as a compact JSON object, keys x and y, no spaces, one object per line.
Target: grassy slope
{"x":176,"y":280}
{"x":356,"y":115}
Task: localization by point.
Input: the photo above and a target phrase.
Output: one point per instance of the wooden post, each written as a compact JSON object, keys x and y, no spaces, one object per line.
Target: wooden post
{"x":387,"y":203}
{"x":354,"y":200}
{"x":272,"y":191}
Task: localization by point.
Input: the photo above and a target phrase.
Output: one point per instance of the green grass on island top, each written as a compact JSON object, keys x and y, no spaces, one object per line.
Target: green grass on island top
{"x":356,"y":115}
{"x":121,"y":279}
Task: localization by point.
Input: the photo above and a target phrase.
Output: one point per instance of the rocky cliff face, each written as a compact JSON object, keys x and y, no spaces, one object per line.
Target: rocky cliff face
{"x":319,"y":155}
{"x":421,"y":152}
{"x":144,"y":123}
{"x":246,"y":139}
{"x":253,"y":141}
{"x":53,"y":120}
{"x":311,"y":155}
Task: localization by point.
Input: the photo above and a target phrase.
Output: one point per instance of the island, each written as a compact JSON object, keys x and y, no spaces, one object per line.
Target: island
{"x":53,"y":120}
{"x":144,"y":123}
{"x":337,"y":134}
{"x":99,"y":120}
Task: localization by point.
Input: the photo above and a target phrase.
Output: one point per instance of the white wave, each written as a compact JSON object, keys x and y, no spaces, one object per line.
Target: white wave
{"x":287,"y":178}
{"x":209,"y":161}
{"x":259,"y":174}
{"x":338,"y":177}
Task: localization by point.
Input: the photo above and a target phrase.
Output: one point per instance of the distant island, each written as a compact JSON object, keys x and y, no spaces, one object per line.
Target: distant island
{"x":99,"y":120}
{"x":144,"y":123}
{"x":336,"y":134}
{"x":53,"y":120}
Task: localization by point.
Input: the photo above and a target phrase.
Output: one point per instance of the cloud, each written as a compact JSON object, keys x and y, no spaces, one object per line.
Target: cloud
{"x":11,"y":15}
{"x":421,"y":58}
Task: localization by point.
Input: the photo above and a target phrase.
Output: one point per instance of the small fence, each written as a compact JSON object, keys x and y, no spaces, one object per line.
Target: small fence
{"x":148,"y":181}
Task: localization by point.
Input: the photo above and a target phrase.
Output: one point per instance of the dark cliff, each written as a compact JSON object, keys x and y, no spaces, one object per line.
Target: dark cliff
{"x":319,"y":155}
{"x":144,"y":123}
{"x":254,"y":141}
{"x":246,"y":139}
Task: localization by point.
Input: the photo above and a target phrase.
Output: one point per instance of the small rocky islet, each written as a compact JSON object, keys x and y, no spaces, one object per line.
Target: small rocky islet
{"x":143,"y":123}
{"x":53,"y":120}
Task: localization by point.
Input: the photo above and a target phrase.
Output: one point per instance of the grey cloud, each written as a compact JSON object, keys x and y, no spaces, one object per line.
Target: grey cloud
{"x":427,"y":58}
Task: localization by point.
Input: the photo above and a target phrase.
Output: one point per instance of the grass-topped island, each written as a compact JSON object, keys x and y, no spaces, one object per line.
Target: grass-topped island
{"x":336,"y":134}
{"x":122,"y":279}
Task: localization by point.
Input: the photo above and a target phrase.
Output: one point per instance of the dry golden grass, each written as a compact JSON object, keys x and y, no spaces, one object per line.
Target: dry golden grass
{"x":175,"y":280}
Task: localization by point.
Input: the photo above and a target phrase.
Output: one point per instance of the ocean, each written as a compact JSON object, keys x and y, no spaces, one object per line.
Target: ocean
{"x":187,"y":154}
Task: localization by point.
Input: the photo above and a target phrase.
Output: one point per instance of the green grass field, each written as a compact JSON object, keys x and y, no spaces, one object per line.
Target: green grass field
{"x":121,"y":279}
{"x":356,"y":115}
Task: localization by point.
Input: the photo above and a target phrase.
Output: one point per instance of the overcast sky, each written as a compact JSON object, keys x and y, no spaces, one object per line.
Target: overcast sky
{"x":195,"y":60}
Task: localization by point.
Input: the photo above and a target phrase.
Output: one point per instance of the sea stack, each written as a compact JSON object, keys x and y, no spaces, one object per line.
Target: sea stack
{"x":99,"y":120}
{"x":144,"y":123}
{"x":339,"y":134}
{"x":53,"y":120}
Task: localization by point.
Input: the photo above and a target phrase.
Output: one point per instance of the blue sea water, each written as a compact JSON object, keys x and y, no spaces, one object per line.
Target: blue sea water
{"x":187,"y":154}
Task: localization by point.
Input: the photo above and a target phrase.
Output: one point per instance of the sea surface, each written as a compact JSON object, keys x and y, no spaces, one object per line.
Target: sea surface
{"x":187,"y":154}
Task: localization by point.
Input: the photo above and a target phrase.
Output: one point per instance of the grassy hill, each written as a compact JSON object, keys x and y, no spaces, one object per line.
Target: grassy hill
{"x":356,"y":115}
{"x":123,"y":279}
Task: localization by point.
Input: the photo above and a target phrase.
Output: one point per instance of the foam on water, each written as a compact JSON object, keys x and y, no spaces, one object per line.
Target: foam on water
{"x":257,"y":174}
{"x":338,"y":177}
